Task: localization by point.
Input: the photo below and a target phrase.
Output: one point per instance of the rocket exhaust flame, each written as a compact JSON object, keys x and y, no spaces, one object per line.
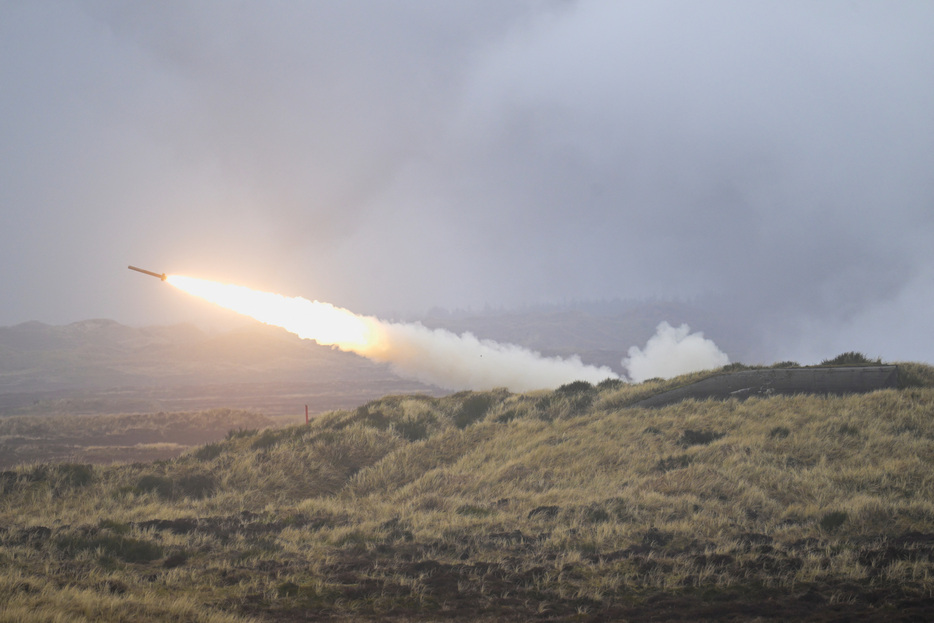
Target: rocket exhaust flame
{"x":310,"y":320}
{"x":433,"y":356}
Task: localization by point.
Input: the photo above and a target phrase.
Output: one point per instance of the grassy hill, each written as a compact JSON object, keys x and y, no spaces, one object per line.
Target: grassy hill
{"x":553,"y":505}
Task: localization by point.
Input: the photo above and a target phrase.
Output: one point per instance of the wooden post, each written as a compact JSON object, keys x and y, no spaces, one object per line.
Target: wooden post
{"x":306,"y":414}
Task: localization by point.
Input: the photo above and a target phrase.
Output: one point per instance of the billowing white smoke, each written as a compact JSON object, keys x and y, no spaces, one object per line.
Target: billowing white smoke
{"x":456,"y":361}
{"x":673,"y":351}
{"x":446,"y":359}
{"x":431,"y":355}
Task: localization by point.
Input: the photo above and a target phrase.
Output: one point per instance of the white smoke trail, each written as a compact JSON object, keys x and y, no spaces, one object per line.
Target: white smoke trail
{"x":433,"y":356}
{"x":449,"y":360}
{"x":464,"y":362}
{"x":671,"y":352}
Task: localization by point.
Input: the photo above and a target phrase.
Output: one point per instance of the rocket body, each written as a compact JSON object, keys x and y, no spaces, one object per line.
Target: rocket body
{"x":148,"y":272}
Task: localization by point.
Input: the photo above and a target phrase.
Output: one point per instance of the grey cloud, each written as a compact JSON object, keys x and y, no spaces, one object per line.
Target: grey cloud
{"x":771,"y":160}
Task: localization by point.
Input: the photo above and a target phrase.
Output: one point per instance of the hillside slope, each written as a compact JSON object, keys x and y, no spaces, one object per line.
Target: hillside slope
{"x":489,"y":506}
{"x":103,"y":367}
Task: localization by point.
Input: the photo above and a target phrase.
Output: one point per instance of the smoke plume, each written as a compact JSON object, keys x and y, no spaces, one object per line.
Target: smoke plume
{"x":462,"y":361}
{"x":433,"y":356}
{"x":673,"y":351}
{"x":448,"y":360}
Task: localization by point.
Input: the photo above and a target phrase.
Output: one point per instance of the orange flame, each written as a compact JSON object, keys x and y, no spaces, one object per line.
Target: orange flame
{"x":313,"y":320}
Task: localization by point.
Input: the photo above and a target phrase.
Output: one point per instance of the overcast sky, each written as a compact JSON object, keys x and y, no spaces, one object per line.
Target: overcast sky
{"x":773,"y":161}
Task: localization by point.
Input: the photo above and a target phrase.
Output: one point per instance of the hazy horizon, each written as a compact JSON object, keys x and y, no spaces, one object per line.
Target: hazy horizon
{"x":769,"y":162}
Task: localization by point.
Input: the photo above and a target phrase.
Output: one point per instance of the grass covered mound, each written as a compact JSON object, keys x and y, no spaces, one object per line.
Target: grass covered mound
{"x":556,"y":505}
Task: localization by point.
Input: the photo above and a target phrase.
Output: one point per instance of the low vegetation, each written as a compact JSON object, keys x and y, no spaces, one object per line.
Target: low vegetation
{"x":104,"y":439}
{"x":552,"y":505}
{"x":851,"y":358}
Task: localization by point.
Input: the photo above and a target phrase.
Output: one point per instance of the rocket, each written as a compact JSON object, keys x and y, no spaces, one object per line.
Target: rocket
{"x":148,"y":272}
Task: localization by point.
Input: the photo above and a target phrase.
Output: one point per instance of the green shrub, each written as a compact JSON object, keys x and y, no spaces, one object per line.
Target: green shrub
{"x":196,"y":485}
{"x":415,"y":429}
{"x":574,"y":388}
{"x":287,"y":589}
{"x":574,"y":398}
{"x":596,"y":514}
{"x":569,"y":400}
{"x":39,"y":473}
{"x":9,"y":481}
{"x":851,"y":358}
{"x":832,"y":521}
{"x":209,"y":452}
{"x":371,"y":417}
{"x":580,"y":404}
{"x":472,"y":409}
{"x":673,"y":462}
{"x":508,"y":416}
{"x":848,"y":430}
{"x":240,"y":433}
{"x":610,"y":510}
{"x":543,"y":407}
{"x":699,"y":437}
{"x":75,"y":474}
{"x":470,"y":510}
{"x":610,"y":384}
{"x":779,"y":432}
{"x":915,"y":375}
{"x":153,"y":483}
{"x":175,"y":560}
{"x":267,"y":439}
{"x":110,"y":545}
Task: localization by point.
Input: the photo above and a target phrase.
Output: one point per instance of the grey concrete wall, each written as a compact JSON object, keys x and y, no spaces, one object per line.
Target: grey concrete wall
{"x":817,"y":380}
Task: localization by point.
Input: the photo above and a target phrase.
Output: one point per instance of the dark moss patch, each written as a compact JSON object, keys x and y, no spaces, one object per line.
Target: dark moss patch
{"x":699,"y":437}
{"x":832,"y":521}
{"x":117,"y":546}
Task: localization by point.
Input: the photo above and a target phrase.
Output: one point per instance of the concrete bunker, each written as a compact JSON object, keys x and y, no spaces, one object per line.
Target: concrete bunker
{"x":832,"y":380}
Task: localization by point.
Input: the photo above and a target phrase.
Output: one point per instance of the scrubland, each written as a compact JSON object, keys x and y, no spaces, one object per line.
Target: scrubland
{"x":552,"y":505}
{"x":105,"y":439}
